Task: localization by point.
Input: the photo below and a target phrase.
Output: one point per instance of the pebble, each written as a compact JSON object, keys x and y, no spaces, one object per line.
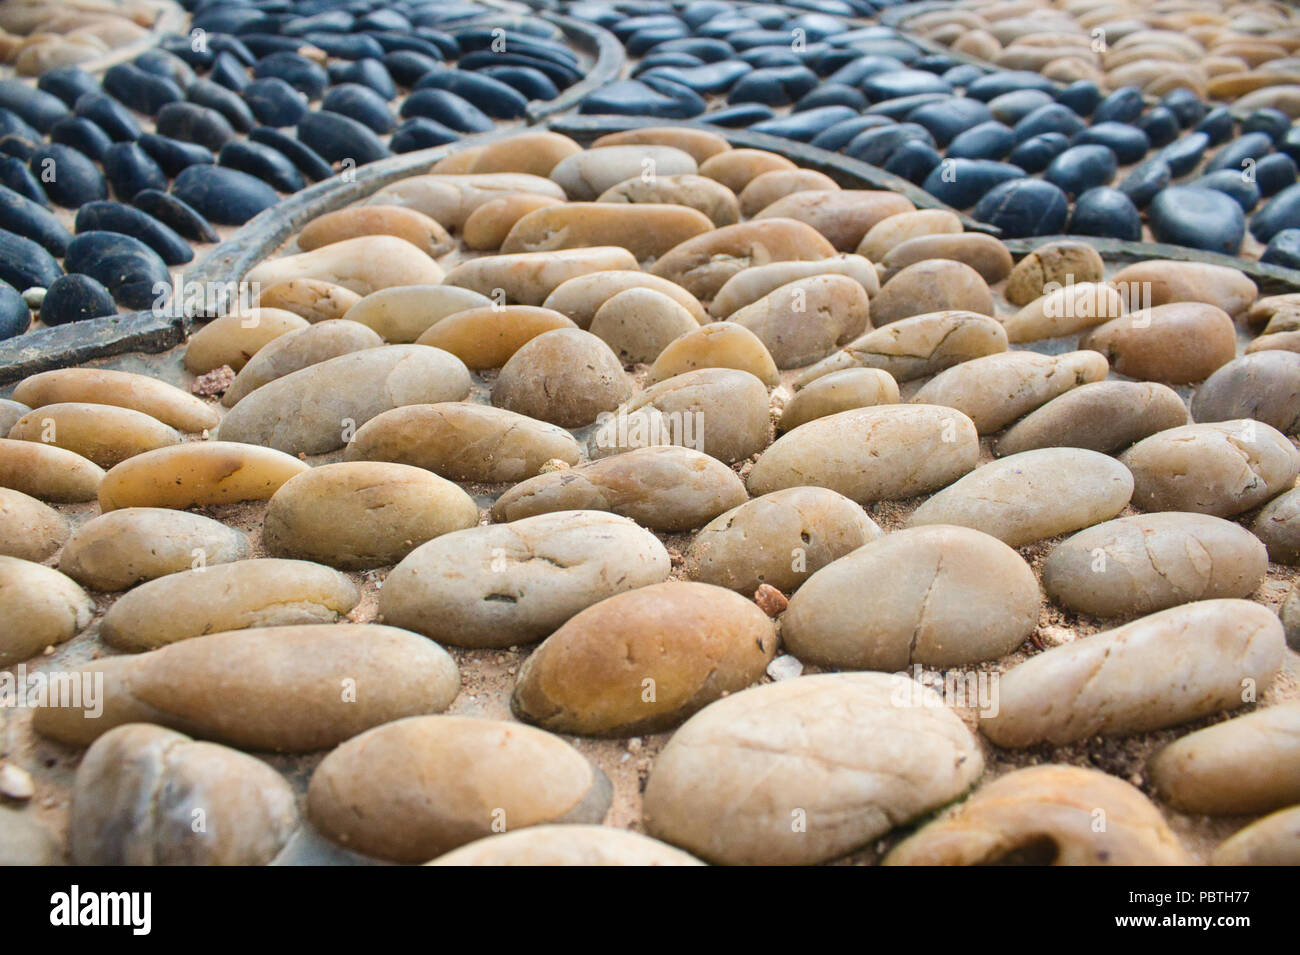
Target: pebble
{"x":894,"y":230}
{"x":130,"y":221}
{"x":1250,"y":764}
{"x":24,"y":841}
{"x":1272,"y":840}
{"x":932,"y":285}
{"x":843,"y":216}
{"x":1105,"y":416}
{"x":639,"y":323}
{"x":1264,"y":386}
{"x":584,"y":176}
{"x":1158,"y":282}
{"x":1045,"y":815}
{"x":1143,"y":676}
{"x":1278,"y":526}
{"x":1198,"y":218}
{"x":1024,"y":207}
{"x":565,"y":376}
{"x":102,"y":434}
{"x":196,"y":473}
{"x":129,"y":269}
{"x":528,"y":278}
{"x":295,"y":350}
{"x":1139,"y":565}
{"x":233,"y":340}
{"x":567,"y":845}
{"x":1050,"y":265}
{"x":1222,"y":469}
{"x":1067,"y":310}
{"x":751,"y":284}
{"x":805,"y":320}
{"x":839,"y":391}
{"x":1177,"y":344}
{"x":489,"y":224}
{"x":647,"y":230}
{"x":223,"y":195}
{"x":1106,"y":212}
{"x":663,"y":488}
{"x":582,"y":296}
{"x":121,"y":389}
{"x":140,"y":789}
{"x":485,"y":336}
{"x":827,"y":751}
{"x":737,"y":168}
{"x":47,"y":472}
{"x":39,"y":607}
{"x":284,"y":689}
{"x":29,"y":530}
{"x":373,"y":794}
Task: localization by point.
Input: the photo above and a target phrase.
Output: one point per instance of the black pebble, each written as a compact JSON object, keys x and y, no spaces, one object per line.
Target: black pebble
{"x":360,"y":103}
{"x":15,"y":316}
{"x":68,"y":177}
{"x":23,"y":217}
{"x":15,"y":175}
{"x":109,"y":115}
{"x":1106,"y":212}
{"x":224,"y":101}
{"x":173,"y":155}
{"x":192,"y":123}
{"x":180,"y":216}
{"x":138,"y":90}
{"x":129,"y":220}
{"x":127,"y":267}
{"x":421,"y":132}
{"x":274,"y":102}
{"x":130,"y":169}
{"x":75,"y":298}
{"x":24,"y":264}
{"x":267,"y":164}
{"x":82,"y":135}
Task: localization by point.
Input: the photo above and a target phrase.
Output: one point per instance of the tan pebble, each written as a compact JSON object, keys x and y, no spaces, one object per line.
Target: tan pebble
{"x":565,"y":376}
{"x":985,"y":254}
{"x":712,"y":198}
{"x":585,"y":175}
{"x":123,"y":389}
{"x":527,"y":278}
{"x":700,"y":144}
{"x":931,"y":285}
{"x":450,"y":199}
{"x":736,"y":168}
{"x":639,"y":323}
{"x":897,"y":229}
{"x":300,"y":349}
{"x":362,"y":265}
{"x":48,"y":472}
{"x":717,"y":345}
{"x":313,"y":299}
{"x":766,"y":188}
{"x":488,"y":225}
{"x":1054,"y":262}
{"x":647,"y":230}
{"x":842,"y":215}
{"x":486,"y":336}
{"x":197,"y":473}
{"x":104,"y":434}
{"x":233,"y":339}
{"x":535,"y":152}
{"x":840,"y":391}
{"x":582,"y":296}
{"x":29,"y":529}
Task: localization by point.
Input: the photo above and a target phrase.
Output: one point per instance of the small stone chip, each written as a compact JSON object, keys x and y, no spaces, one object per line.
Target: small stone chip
{"x":784,"y":667}
{"x":16,"y":782}
{"x":214,"y":382}
{"x":770,"y":600}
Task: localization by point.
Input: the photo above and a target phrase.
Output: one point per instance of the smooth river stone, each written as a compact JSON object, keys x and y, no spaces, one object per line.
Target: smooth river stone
{"x":233,"y":339}
{"x":1053,"y":263}
{"x":318,"y":409}
{"x":49,"y":473}
{"x":565,"y":376}
{"x":767,"y":188}
{"x":508,"y":584}
{"x":756,"y":282}
{"x":893,"y":231}
{"x":1046,"y":815}
{"x":357,"y":515}
{"x":283,"y":689}
{"x":263,"y":592}
{"x":931,"y":285}
{"x":140,"y":790}
{"x":29,"y":530}
{"x":103,"y":434}
{"x":985,"y":254}
{"x":198,"y":473}
{"x":839,"y":391}
{"x":836,"y":752}
{"x":536,"y":153}
{"x":646,"y":230}
{"x":527,"y":278}
{"x":644,"y":660}
{"x":1065,"y":311}
{"x":387,"y":792}
{"x":916,"y":347}
{"x":119,"y":549}
{"x":363,"y":265}
{"x":662,"y":488}
{"x":353,"y":223}
{"x":717,"y":345}
{"x":997,"y":389}
{"x":1163,"y":282}
{"x":884,"y":453}
{"x":702,"y":265}
{"x":10,"y":412}
{"x":403,"y":313}
{"x":1177,"y":344}
{"x":1161,"y":670}
{"x":313,"y":299}
{"x":737,"y":168}
{"x":1032,"y":495}
{"x":486,"y":336}
{"x":718,"y":203}
{"x":581,"y":297}
{"x":1278,"y":526}
{"x":843,"y":216}
{"x":941,"y":596}
{"x":806,"y":319}
{"x":39,"y":607}
{"x":639,"y":323}
{"x":299,"y":349}
{"x":567,"y":846}
{"x":584,"y":176}
{"x":1273,"y":840}
{"x":1105,"y":416}
{"x":778,"y":539}
{"x":450,"y":199}
{"x":122,"y":389}
{"x":702,"y":145}
{"x":1264,"y":386}
{"x":488,"y":225}
{"x":1250,"y":764}
{"x":1138,"y":565}
{"x":1222,"y":469}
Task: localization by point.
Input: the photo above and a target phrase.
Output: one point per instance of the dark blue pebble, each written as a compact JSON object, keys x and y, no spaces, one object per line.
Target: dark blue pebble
{"x":1128,"y":143}
{"x":354,"y":47}
{"x":125,"y":266}
{"x":1081,"y":168}
{"x":369,"y":72}
{"x":1054,"y":118}
{"x":24,"y":264}
{"x":1183,"y":155}
{"x":680,"y":60}
{"x":645,"y":40}
{"x":560,"y":75}
{"x":768,"y":58}
{"x":192,"y":123}
{"x":886,"y":86}
{"x":1122,"y":106}
{"x":1160,"y":126}
{"x":184,"y":47}
{"x":327,"y":21}
{"x":384,"y":20}
{"x":231,"y":45}
{"x":167,"y":65}
{"x":274,"y":102}
{"x":1145,"y":180}
{"x":308,"y":161}
{"x":269,"y":165}
{"x":531,"y":83}
{"x":75,"y":298}
{"x":224,"y":196}
{"x":1011,"y":108}
{"x":1274,"y":173}
{"x":962,"y":75}
{"x":492,"y":97}
{"x":138,"y":90}
{"x":299,"y":72}
{"x":68,"y":177}
{"x":1036,"y":153}
{"x":448,"y":109}
{"x":129,"y":169}
{"x":180,"y":216}
{"x":635,"y":98}
{"x":129,"y":220}
{"x":1197,"y":218}
{"x":15,"y":316}
{"x":1280,"y":212}
{"x":993,"y":85}
{"x":360,"y":103}
{"x":1242,"y":153}
{"x":708,"y":79}
{"x":899,"y":109}
{"x":838,"y":136}
{"x":874,"y":146}
{"x":409,"y":67}
{"x":961,"y":183}
{"x":913,"y":161}
{"x":109,"y":115}
{"x":1186,"y":105}
{"x":1283,"y":249}
{"x":1108,"y":213}
{"x":832,"y":94}
{"x":1274,"y":122}
{"x":33,"y":106}
{"x":1024,"y":207}
{"x":702,"y":48}
{"x":1217,"y":124}
{"x":776,"y":86}
{"x":31,"y":220}
{"x":173,"y":155}
{"x":740,"y":115}
{"x":948,"y":118}
{"x":18,"y":148}
{"x":16,"y":175}
{"x":339,"y":139}
{"x":862,"y":68}
{"x":1231,"y":183}
{"x":68,"y":83}
{"x":224,"y":101}
{"x":1082,"y":96}
{"x":82,"y":135}
{"x":803,"y":127}
{"x":936,"y":63}
{"x":13,"y":125}
{"x":420,"y":132}
{"x":991,"y":140}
